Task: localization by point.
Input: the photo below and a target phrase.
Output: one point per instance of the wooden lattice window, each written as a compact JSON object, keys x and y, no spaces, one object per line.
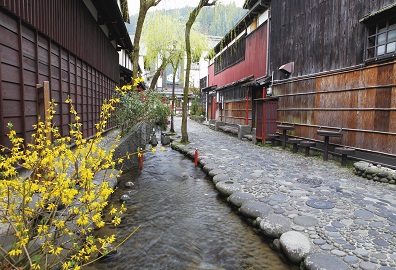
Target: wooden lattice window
{"x":231,"y":56}
{"x":382,"y":39}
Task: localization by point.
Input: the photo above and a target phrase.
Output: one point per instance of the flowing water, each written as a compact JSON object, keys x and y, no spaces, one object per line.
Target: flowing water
{"x":184,"y":223}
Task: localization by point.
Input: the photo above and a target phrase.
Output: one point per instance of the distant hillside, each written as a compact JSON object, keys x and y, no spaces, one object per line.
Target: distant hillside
{"x":213,"y":21}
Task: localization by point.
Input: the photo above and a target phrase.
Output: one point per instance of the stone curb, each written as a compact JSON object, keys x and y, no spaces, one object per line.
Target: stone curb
{"x":348,"y":217}
{"x":295,"y":245}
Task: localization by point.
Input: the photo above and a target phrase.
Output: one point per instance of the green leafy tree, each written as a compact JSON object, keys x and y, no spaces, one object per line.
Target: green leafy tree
{"x":162,"y":37}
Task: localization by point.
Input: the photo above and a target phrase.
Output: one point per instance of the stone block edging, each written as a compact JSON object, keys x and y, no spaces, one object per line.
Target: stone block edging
{"x":375,"y":173}
{"x":296,"y":246}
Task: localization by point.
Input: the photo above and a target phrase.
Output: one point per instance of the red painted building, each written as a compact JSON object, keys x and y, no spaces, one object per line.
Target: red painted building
{"x":240,"y":63}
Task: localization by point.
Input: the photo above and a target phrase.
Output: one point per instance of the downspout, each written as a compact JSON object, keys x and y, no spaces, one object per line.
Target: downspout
{"x":268,"y":40}
{"x":206,"y":106}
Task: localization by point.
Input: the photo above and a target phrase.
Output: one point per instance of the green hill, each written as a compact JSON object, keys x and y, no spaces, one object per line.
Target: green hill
{"x":212,"y":21}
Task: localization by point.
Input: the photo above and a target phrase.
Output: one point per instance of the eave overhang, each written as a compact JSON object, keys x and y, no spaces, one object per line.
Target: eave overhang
{"x":255,"y":7}
{"x":239,"y":82}
{"x":110,"y":14}
{"x":379,"y":14}
{"x":209,"y":88}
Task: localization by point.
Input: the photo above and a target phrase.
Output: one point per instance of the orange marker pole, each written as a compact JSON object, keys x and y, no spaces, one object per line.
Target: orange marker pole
{"x":196,"y":157}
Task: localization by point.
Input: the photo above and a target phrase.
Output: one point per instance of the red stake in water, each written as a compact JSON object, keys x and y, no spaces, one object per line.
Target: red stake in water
{"x":141,"y":158}
{"x":196,"y":157}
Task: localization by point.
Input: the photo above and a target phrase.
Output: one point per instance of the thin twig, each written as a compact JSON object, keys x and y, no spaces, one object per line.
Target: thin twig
{"x":122,"y":242}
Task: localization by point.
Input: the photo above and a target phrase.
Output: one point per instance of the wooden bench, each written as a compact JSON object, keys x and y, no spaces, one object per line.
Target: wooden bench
{"x":284,"y":129}
{"x":344,"y":151}
{"x":307,"y":145}
{"x":273,"y":137}
{"x":294,"y":142}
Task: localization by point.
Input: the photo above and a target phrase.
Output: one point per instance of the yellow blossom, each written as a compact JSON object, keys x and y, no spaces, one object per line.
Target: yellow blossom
{"x":116,"y":221}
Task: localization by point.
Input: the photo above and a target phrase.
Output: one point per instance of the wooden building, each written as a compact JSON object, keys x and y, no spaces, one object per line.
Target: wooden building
{"x":328,"y":65}
{"x":241,"y":58}
{"x":334,"y":65}
{"x":72,"y":44}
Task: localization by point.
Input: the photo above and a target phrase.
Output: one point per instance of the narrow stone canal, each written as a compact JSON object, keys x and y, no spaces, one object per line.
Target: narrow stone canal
{"x":184,"y":223}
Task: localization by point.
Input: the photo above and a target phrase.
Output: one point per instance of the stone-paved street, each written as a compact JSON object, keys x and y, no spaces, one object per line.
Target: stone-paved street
{"x":349,"y":219}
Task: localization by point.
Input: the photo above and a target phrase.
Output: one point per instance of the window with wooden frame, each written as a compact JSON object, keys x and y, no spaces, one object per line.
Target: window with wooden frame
{"x":382,"y":39}
{"x":381,"y":33}
{"x":231,"y":56}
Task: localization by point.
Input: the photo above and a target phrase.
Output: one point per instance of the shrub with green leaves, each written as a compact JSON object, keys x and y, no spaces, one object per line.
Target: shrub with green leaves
{"x":137,"y":107}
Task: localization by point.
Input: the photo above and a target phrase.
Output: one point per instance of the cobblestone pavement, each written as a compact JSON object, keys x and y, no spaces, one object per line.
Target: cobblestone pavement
{"x":348,"y":217}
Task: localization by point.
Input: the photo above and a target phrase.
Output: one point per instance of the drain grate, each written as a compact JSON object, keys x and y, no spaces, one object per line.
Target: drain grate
{"x":310,"y":181}
{"x":320,"y":204}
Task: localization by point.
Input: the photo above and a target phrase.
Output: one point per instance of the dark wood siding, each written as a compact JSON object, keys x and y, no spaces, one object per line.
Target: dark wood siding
{"x":319,"y":35}
{"x":332,"y":87}
{"x":70,"y":24}
{"x":79,"y":62}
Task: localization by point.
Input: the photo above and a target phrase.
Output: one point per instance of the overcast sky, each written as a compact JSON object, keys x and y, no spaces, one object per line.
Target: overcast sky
{"x":171,"y":4}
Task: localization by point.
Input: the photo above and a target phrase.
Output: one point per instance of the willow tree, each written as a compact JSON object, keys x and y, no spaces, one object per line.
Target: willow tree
{"x":191,"y":19}
{"x":145,"y":5}
{"x":161,"y":37}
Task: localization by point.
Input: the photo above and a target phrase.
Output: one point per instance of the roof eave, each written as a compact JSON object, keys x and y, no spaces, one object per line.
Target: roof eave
{"x":259,"y":7}
{"x":111,"y":14}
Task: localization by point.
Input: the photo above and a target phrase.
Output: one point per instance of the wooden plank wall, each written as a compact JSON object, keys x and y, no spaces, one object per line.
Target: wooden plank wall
{"x":319,"y":35}
{"x":69,"y":24}
{"x":235,"y":112}
{"x":361,"y":101}
{"x":28,"y":57}
{"x":331,"y":86}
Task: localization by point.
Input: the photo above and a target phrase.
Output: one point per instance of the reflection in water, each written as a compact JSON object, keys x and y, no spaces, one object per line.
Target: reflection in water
{"x":184,"y":223}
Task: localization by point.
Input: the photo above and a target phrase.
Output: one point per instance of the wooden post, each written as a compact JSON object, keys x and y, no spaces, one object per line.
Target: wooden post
{"x":46,"y":101}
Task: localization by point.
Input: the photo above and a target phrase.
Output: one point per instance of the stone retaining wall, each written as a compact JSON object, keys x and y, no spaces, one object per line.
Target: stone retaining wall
{"x":198,"y":119}
{"x":375,"y":173}
{"x":139,"y":136}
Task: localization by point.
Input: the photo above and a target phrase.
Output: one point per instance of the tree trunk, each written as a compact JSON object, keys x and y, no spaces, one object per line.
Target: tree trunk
{"x":144,"y":7}
{"x":136,"y":40}
{"x":189,"y":24}
{"x":184,"y":133}
{"x":172,"y":129}
{"x":157,"y":75}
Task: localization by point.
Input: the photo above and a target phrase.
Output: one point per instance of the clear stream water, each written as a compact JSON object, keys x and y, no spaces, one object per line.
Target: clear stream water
{"x":184,"y":223}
